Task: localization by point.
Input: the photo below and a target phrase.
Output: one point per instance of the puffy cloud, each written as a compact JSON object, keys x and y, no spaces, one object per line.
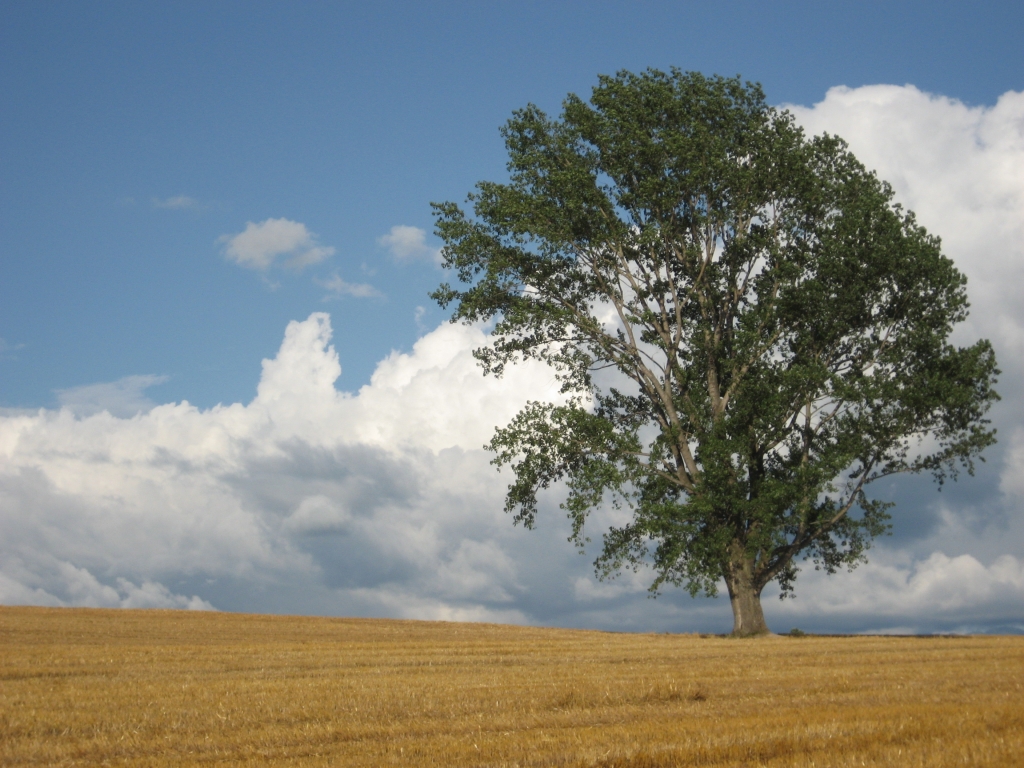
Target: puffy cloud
{"x":259,"y":245}
{"x":379,"y":502}
{"x":338,"y":287}
{"x":408,"y":244}
{"x":384,"y":492}
{"x":896,"y":594}
{"x":961,"y":170}
{"x":123,"y":397}
{"x":81,"y":588}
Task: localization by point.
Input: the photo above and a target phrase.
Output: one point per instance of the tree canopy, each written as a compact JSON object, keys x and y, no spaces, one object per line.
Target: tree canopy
{"x":749,"y":329}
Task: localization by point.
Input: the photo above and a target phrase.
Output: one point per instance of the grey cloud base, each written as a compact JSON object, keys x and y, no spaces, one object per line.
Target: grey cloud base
{"x":382,"y":503}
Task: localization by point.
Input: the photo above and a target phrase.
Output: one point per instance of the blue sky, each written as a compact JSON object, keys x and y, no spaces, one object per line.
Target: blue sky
{"x":139,"y":139}
{"x":349,"y":118}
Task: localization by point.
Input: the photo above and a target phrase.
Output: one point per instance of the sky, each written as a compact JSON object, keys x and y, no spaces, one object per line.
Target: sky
{"x":222,"y":381}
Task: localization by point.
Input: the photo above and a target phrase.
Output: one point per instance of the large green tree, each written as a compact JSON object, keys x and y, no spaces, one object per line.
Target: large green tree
{"x":749,"y":329}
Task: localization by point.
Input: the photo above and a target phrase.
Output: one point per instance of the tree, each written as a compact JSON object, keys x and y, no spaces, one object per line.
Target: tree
{"x":748,"y":329}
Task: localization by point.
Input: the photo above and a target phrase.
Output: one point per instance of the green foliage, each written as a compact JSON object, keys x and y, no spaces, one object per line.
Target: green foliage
{"x":749,"y":329}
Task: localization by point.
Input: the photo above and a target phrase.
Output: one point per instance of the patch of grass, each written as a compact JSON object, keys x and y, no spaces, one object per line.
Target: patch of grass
{"x":167,"y":688}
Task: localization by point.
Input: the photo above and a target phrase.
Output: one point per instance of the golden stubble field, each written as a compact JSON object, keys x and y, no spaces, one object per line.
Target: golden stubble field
{"x":162,"y":688}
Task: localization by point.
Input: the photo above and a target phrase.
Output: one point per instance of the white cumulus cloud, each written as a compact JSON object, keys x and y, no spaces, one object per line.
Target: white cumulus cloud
{"x":409,"y":244}
{"x":961,"y":170}
{"x":259,"y":245}
{"x":894,"y":593}
{"x":382,"y":497}
{"x":378,"y":502}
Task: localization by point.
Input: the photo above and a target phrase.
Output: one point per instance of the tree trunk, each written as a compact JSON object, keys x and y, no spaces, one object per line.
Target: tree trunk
{"x":745,"y":596}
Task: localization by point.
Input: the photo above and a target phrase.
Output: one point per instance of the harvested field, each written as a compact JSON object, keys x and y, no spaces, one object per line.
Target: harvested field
{"x":162,"y":688}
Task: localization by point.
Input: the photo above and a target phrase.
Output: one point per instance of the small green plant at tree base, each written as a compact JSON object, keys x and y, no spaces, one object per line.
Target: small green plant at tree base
{"x":748,"y":331}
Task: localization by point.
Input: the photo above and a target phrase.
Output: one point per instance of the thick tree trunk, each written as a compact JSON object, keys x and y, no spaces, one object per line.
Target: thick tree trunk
{"x":745,"y":596}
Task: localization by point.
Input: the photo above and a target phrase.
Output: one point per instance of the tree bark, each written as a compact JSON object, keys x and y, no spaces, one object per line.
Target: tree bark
{"x":745,"y":596}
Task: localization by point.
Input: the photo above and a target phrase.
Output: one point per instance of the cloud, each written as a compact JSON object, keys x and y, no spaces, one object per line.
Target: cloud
{"x":361,"y":501}
{"x":381,"y":502}
{"x":895,"y":594}
{"x":259,"y":245}
{"x":339,"y":287}
{"x":122,"y":398}
{"x":177,"y":203}
{"x":6,"y":346}
{"x":378,"y":502}
{"x":1012,"y":480}
{"x":409,"y":244}
{"x":82,"y":588}
{"x":961,"y":170}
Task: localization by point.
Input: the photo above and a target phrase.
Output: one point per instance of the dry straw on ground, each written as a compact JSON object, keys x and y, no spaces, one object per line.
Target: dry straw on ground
{"x":162,"y":688}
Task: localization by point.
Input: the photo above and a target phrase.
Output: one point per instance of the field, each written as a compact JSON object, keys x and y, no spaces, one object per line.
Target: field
{"x":162,"y":688}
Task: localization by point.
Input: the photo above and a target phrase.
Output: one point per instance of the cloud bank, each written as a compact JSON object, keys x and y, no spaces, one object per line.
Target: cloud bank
{"x":381,"y":498}
{"x":381,"y":502}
